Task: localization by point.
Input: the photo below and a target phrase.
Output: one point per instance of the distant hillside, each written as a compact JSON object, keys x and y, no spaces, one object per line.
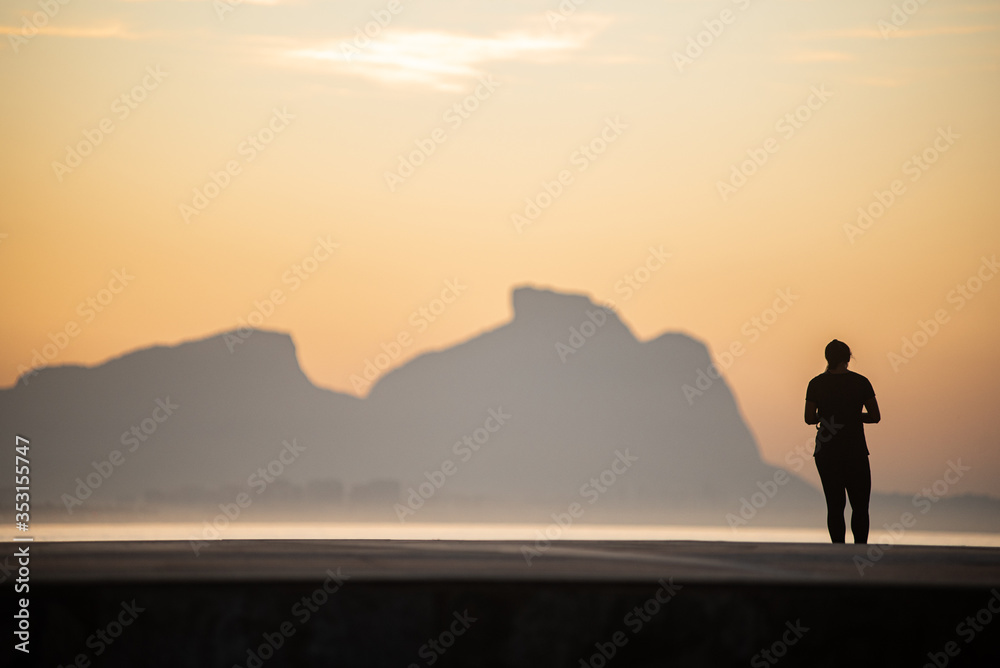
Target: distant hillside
{"x":561,"y":405}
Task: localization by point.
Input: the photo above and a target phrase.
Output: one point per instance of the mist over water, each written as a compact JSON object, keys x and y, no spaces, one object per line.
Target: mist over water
{"x":132,"y":531}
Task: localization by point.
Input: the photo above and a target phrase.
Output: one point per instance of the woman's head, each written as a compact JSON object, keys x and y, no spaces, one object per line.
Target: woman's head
{"x":837,"y":353}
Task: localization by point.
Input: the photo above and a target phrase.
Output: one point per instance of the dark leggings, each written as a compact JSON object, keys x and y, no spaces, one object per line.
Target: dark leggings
{"x":854,"y":476}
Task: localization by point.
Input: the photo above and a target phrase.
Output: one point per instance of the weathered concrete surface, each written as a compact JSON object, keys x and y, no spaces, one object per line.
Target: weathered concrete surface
{"x":618,"y":561}
{"x":578,"y":604}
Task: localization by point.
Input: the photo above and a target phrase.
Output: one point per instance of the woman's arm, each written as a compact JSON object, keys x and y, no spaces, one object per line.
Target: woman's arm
{"x":811,"y":416}
{"x":873,"y":415}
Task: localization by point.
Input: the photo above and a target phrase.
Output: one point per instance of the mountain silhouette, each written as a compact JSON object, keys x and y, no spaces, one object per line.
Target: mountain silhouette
{"x":511,"y":424}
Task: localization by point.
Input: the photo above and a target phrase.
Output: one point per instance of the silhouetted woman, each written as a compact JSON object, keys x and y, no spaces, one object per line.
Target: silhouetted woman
{"x":834,"y":400}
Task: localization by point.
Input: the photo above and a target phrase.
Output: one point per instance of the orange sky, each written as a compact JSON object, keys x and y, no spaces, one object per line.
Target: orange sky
{"x":286,"y":119}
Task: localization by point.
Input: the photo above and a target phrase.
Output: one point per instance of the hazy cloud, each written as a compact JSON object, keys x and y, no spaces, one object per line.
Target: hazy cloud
{"x":440,"y":60}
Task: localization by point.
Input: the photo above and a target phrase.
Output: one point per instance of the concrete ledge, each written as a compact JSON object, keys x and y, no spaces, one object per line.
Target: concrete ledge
{"x":277,"y":604}
{"x":606,"y":561}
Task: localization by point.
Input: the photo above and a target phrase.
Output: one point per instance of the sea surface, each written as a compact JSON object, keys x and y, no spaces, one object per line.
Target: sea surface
{"x":467,"y":531}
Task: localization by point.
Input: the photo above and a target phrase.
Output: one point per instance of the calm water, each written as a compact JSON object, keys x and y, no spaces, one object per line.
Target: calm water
{"x":462,"y":531}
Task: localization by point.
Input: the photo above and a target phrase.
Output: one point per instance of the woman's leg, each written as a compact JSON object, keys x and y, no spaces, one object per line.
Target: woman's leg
{"x":859,"y":491}
{"x":831,"y":474}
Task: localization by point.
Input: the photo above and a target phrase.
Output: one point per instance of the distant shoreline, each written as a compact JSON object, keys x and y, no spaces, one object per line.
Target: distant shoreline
{"x":123,"y":530}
